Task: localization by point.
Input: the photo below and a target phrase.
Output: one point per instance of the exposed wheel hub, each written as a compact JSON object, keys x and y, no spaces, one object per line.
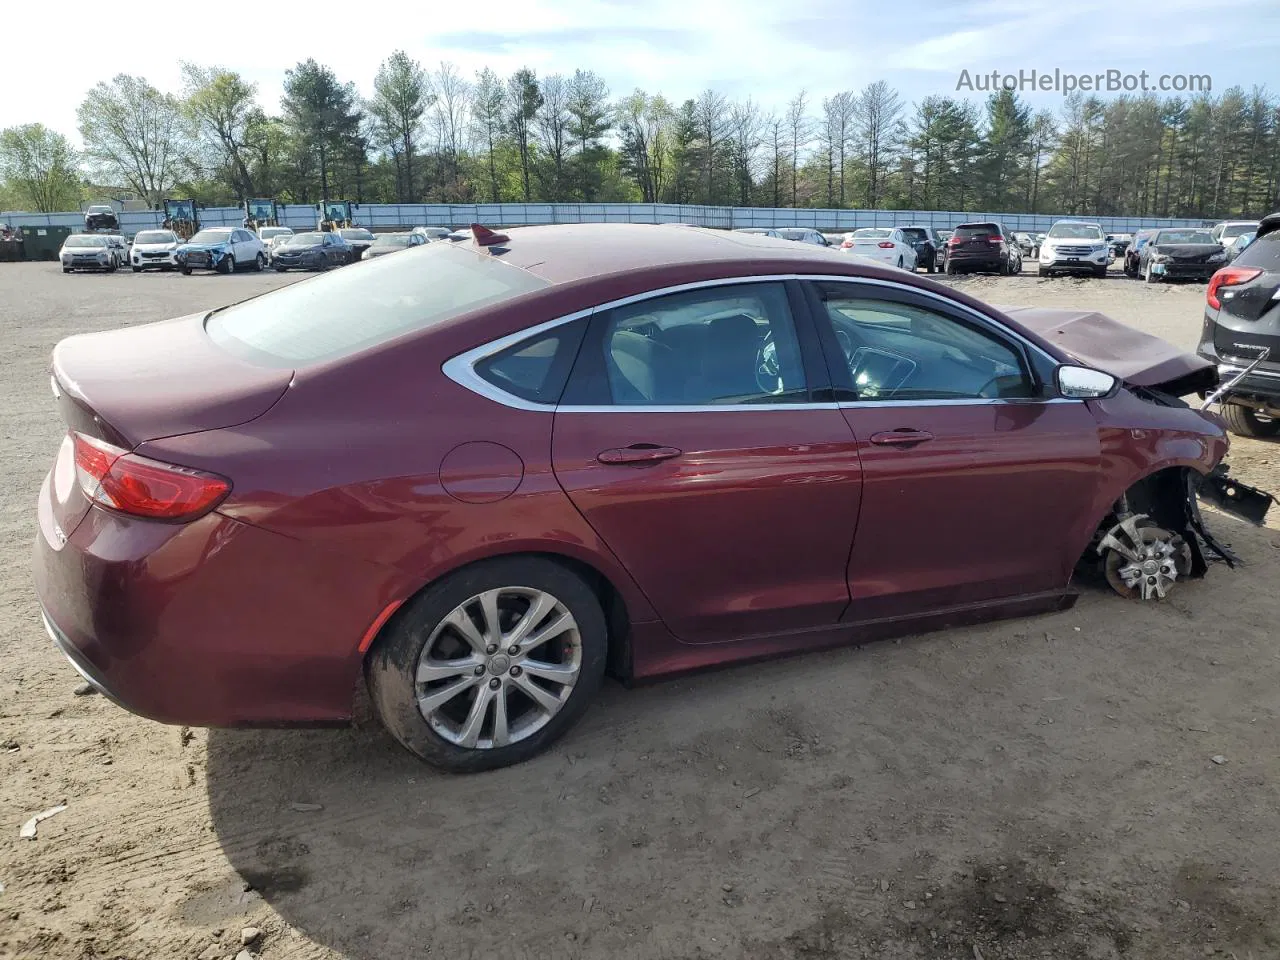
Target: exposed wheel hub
{"x":1143,"y":561}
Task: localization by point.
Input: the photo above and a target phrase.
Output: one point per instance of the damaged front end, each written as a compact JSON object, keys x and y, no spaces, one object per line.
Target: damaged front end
{"x":1156,"y":534}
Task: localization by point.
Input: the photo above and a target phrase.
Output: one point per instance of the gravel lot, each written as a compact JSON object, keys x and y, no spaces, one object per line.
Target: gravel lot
{"x":1037,"y":788}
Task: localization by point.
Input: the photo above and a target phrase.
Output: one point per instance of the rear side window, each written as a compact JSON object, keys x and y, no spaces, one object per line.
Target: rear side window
{"x":340,"y":313}
{"x":973,"y":230}
{"x":536,"y":369}
{"x":1263,"y":253}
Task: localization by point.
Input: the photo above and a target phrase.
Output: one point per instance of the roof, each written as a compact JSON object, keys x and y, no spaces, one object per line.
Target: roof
{"x":572,"y":252}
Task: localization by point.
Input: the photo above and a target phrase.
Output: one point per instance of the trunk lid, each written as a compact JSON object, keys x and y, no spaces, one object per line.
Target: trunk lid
{"x":158,"y":380}
{"x":1137,"y":358}
{"x":1258,"y":299}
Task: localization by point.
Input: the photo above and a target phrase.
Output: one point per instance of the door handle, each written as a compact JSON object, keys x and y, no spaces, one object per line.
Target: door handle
{"x":903,"y":436}
{"x":638,"y":453}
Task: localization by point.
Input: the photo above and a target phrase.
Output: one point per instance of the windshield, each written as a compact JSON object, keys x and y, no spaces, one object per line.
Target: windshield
{"x":156,"y":236}
{"x":85,"y":242}
{"x":1183,"y":236}
{"x":211,"y":236}
{"x":356,"y":234}
{"x":392,"y":240}
{"x":1075,"y":231}
{"x":266,"y":233}
{"x":1233,"y":230}
{"x":337,"y":314}
{"x":304,"y":240}
{"x":870,"y":233}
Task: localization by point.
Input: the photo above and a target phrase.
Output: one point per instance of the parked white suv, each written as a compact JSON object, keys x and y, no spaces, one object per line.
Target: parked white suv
{"x":1075,"y":246}
{"x":154,"y":250}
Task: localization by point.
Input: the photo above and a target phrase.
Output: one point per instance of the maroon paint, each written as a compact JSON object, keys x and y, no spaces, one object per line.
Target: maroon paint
{"x":339,"y":507}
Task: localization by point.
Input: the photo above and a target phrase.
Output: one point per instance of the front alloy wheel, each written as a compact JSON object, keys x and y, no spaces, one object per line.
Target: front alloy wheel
{"x":490,"y":665}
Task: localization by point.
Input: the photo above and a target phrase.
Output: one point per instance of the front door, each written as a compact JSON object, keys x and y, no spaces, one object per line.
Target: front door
{"x":688,"y":438}
{"x":976,"y":481}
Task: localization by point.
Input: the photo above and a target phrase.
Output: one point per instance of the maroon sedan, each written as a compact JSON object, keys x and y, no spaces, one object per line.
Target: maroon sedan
{"x":483,"y":474}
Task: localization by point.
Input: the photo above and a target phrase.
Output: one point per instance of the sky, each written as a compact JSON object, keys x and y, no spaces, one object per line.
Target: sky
{"x":764,"y":49}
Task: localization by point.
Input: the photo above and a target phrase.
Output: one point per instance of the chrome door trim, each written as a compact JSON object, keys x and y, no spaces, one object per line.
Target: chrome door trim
{"x":461,"y":368}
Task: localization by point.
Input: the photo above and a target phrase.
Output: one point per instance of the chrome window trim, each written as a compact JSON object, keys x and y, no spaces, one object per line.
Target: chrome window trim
{"x":461,"y":368}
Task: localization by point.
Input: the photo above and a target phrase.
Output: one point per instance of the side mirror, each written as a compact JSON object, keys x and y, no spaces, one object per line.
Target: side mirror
{"x":1084,"y":383}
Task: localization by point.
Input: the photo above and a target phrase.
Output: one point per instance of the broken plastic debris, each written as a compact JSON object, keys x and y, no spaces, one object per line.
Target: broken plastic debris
{"x":28,"y":831}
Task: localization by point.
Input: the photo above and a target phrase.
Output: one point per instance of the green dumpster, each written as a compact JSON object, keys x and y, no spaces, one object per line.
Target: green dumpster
{"x":43,"y":243}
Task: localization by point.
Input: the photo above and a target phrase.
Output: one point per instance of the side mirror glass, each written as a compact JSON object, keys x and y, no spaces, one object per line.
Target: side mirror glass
{"x":1083,"y":383}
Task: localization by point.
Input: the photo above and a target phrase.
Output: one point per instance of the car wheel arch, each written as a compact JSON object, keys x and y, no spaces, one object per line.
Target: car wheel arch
{"x":617,"y":611}
{"x":1157,"y":489}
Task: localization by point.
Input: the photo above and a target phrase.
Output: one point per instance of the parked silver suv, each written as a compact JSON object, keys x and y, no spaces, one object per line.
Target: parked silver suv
{"x":1074,"y":246}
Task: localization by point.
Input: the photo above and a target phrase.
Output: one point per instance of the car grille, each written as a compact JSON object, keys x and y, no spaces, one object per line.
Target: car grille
{"x":84,"y":258}
{"x":154,"y":256}
{"x":1190,"y":258}
{"x":197,"y":259}
{"x":1072,"y":251}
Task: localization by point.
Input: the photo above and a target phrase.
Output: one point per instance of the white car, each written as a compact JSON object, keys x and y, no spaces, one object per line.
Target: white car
{"x":1074,"y":246}
{"x":271,"y":236}
{"x":1227,"y":231}
{"x":884,"y":244}
{"x":87,"y":251}
{"x":433,"y":233}
{"x":154,"y":250}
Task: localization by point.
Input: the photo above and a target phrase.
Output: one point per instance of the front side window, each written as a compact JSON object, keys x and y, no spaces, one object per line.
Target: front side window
{"x":900,"y":351}
{"x":710,"y":347}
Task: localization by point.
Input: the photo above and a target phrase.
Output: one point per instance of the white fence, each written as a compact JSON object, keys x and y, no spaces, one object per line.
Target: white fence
{"x":403,"y":215}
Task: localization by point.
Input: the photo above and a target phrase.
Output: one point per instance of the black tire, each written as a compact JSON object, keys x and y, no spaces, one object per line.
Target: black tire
{"x":1042,"y":271}
{"x":932,"y":266}
{"x":259,"y":263}
{"x":227,"y":264}
{"x":1100,"y":272}
{"x":900,"y":262}
{"x":137,"y":269}
{"x":949,"y":268}
{"x":66,"y":269}
{"x":186,"y":271}
{"x":391,"y":664}
{"x":1243,"y":422}
{"x":281,"y":269}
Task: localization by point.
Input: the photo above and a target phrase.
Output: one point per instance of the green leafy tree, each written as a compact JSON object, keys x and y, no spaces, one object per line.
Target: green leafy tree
{"x":523,"y":100}
{"x":134,"y":135}
{"x":488,"y":105}
{"x":223,"y":107}
{"x":38,"y":168}
{"x":590,"y":119}
{"x":322,"y":115}
{"x":401,"y":97}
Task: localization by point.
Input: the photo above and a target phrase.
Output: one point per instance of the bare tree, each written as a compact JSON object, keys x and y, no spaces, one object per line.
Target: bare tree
{"x":834,"y":134}
{"x":745,"y":129}
{"x":552,"y":125}
{"x":449,"y":113}
{"x":800,"y":131}
{"x":877,"y":116}
{"x":711,"y":114}
{"x":775,"y":128}
{"x":524,"y":97}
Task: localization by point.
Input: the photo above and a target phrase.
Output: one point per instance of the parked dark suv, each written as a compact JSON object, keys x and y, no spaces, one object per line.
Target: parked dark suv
{"x":1241,"y":324}
{"x":985,"y":246}
{"x":927,"y":244}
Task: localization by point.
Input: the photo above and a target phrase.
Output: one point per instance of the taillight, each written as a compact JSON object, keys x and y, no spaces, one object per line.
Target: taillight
{"x":995,"y":239}
{"x":885,"y":244}
{"x":954,"y":242}
{"x":847,"y":244}
{"x":1228,"y":277}
{"x":135,"y":485}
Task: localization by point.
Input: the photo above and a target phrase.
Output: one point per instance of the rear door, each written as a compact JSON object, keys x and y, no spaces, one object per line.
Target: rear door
{"x":976,"y":482}
{"x":692,"y":438}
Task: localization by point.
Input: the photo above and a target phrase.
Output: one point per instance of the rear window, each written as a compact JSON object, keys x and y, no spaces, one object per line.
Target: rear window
{"x":871,"y":233}
{"x":340,"y":313}
{"x":913,"y":233}
{"x":971,"y":230}
{"x":1263,"y":253}
{"x":1233,"y":230}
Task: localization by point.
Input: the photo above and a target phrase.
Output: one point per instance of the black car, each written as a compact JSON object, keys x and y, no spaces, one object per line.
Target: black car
{"x":1180,"y":253}
{"x":927,"y":243}
{"x":984,"y":246}
{"x":101,"y":216}
{"x":1241,"y":325}
{"x":311,"y":251}
{"x":359,"y":238}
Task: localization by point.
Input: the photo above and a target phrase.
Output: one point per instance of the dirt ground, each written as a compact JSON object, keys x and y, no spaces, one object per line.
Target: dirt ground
{"x":1036,"y":788}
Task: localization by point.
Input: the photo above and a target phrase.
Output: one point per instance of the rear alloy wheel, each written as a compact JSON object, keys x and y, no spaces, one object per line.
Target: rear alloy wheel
{"x":1246,"y":422}
{"x":491,"y":665}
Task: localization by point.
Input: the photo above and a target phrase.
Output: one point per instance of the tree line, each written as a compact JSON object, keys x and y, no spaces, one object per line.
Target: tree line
{"x":435,"y":135}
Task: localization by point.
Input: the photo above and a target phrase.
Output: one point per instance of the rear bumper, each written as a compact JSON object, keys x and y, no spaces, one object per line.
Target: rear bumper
{"x":977,"y":263}
{"x":210,"y":623}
